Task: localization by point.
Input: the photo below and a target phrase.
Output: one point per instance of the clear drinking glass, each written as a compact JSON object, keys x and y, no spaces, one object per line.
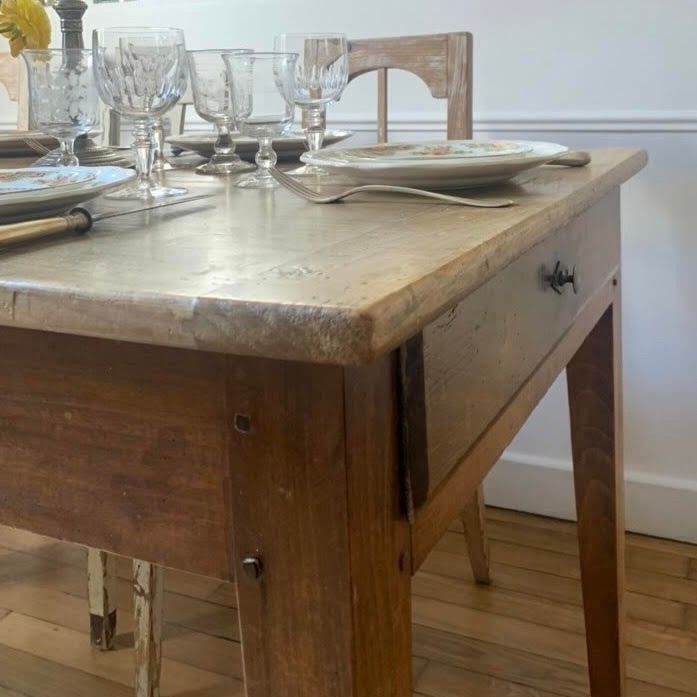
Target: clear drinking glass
{"x":141,"y":74}
{"x":210,"y":84}
{"x":263,"y":91}
{"x":62,"y":96}
{"x":321,"y":74}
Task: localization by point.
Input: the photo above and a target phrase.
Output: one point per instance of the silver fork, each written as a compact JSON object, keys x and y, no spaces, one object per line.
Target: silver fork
{"x":296,"y":187}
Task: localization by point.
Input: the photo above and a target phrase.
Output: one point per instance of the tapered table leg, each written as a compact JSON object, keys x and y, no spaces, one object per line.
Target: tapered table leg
{"x":474,"y":523}
{"x":320,"y":545}
{"x":100,"y":577}
{"x":594,"y":383}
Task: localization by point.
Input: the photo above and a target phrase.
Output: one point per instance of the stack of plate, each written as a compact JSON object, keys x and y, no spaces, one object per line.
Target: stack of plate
{"x":36,"y":192}
{"x":25,"y":143}
{"x":288,"y":147}
{"x":452,"y":164}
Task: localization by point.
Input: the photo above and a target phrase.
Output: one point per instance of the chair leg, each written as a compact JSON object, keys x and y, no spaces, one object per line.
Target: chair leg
{"x":100,"y":578}
{"x":148,"y":586}
{"x":475,"y":534}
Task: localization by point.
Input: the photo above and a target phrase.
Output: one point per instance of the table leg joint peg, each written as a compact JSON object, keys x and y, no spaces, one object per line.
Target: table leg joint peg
{"x":253,"y":567}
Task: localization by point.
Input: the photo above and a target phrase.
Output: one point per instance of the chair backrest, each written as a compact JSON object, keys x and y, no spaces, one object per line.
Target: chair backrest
{"x":442,"y":61}
{"x":13,"y":78}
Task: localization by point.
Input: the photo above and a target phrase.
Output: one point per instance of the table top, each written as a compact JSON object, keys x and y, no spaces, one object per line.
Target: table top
{"x":265,"y":273}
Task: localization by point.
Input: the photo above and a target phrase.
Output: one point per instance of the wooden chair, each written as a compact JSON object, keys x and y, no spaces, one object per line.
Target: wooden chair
{"x":148,"y":579}
{"x":11,"y":78}
{"x":444,"y":63}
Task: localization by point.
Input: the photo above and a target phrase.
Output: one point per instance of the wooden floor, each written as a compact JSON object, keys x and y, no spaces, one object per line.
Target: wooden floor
{"x":521,"y":637}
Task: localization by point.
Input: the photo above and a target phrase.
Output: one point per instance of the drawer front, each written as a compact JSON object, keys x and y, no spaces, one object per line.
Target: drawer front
{"x":477,"y":355}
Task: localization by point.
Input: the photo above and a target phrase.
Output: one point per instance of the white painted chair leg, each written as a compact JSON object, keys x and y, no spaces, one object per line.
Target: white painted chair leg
{"x":148,"y":585}
{"x":100,"y":579}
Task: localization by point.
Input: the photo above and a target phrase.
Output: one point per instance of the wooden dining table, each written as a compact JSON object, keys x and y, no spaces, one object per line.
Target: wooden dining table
{"x":300,"y":398}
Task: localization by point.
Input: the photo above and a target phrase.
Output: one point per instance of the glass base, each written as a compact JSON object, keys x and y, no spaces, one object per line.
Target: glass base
{"x":259,"y":180}
{"x":149,"y":193}
{"x":161,"y":166}
{"x":225,"y":166}
{"x":309,"y":171}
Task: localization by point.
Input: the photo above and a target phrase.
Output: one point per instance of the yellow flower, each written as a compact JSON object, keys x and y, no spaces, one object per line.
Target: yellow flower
{"x":25,"y":24}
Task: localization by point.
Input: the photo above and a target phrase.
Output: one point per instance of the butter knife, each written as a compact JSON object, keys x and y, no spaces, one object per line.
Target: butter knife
{"x":77,"y":221}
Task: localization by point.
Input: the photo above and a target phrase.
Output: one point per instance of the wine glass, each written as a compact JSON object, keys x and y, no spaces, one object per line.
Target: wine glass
{"x":263,"y":90}
{"x":321,"y":75}
{"x":213,"y":102}
{"x":63,"y":96}
{"x":141,"y":75}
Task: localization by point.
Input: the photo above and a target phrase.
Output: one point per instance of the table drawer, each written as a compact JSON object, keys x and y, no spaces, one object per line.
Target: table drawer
{"x":477,"y":355}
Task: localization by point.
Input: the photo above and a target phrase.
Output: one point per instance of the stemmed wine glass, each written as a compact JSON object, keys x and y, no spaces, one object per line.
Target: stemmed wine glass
{"x":141,"y":75}
{"x":213,"y":102}
{"x":263,"y":91}
{"x":63,"y":96}
{"x":321,"y":75}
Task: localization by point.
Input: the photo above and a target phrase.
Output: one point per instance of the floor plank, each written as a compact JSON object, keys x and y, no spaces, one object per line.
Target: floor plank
{"x":521,"y":637}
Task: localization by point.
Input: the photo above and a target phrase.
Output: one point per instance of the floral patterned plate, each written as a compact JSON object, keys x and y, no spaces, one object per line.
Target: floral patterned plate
{"x":89,"y":182}
{"x":434,"y":171}
{"x":13,"y":181}
{"x":438,"y":151}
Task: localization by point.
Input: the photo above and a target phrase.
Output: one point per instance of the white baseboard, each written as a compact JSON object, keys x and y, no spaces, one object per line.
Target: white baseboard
{"x":654,"y":505}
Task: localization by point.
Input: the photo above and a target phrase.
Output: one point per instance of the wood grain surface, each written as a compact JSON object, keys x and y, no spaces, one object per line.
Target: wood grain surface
{"x":321,"y":547}
{"x":267,"y":274}
{"x":521,"y":636}
{"x":477,"y":355}
{"x":594,"y":379}
{"x":118,"y":446}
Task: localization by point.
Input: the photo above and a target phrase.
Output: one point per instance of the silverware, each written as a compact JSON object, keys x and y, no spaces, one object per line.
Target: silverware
{"x":37,"y":147}
{"x":78,"y":221}
{"x":573,"y":158}
{"x":296,"y":187}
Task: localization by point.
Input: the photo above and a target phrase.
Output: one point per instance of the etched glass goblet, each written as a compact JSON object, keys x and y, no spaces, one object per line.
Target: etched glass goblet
{"x":210,"y":84}
{"x":263,"y":98}
{"x":321,"y":75}
{"x":63,"y":98}
{"x":141,"y":75}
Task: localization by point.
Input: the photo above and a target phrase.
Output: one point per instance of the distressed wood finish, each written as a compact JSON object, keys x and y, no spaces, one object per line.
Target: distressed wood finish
{"x":138,"y":435}
{"x":148,"y":588}
{"x":442,"y":61}
{"x":100,"y":599}
{"x":325,"y":284}
{"x":594,"y":378}
{"x":286,"y":474}
{"x":324,"y":596}
{"x":473,"y":522}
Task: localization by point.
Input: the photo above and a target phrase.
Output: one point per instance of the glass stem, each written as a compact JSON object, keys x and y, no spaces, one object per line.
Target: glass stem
{"x":224,"y":145}
{"x":67,"y":158}
{"x":158,"y":140}
{"x":143,"y":148}
{"x":315,"y":122}
{"x":266,"y":157}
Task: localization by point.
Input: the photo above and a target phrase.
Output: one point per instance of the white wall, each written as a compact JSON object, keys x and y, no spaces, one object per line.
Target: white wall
{"x":588,"y":74}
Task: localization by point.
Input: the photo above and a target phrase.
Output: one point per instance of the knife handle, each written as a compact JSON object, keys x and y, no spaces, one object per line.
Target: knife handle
{"x":77,"y":221}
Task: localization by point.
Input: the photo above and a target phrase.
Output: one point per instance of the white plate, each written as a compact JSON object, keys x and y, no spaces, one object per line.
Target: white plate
{"x":32,"y":179}
{"x":369,"y":165}
{"x":27,"y":205}
{"x":287,"y":147}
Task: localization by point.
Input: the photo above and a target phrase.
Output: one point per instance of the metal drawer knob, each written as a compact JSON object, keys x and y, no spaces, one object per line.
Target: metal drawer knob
{"x":560,"y":277}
